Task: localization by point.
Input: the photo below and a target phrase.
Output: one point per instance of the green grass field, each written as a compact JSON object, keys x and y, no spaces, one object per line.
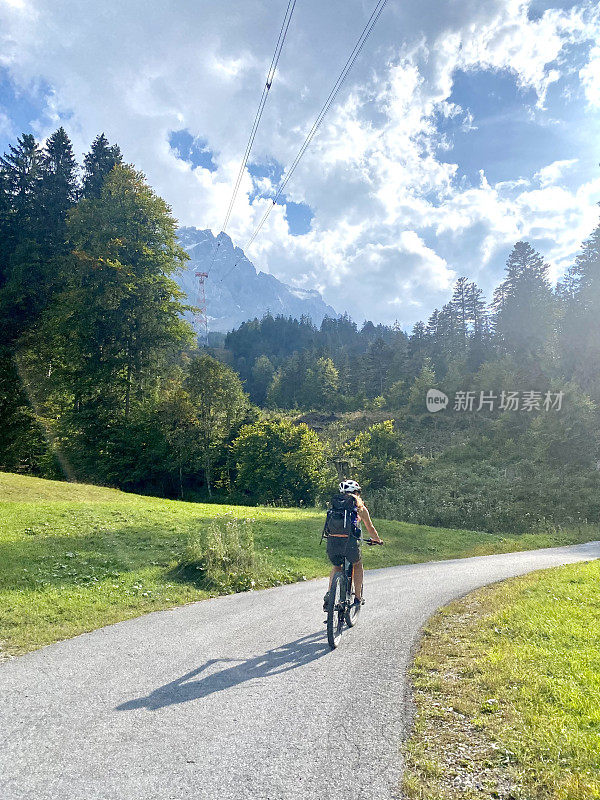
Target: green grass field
{"x":76,"y":557}
{"x":507,"y":687}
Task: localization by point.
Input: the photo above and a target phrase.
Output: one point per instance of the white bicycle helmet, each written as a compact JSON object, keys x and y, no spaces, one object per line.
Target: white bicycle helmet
{"x":350,"y":487}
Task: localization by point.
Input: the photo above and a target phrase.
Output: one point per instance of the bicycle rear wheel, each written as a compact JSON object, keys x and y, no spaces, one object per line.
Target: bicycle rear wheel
{"x":335,"y":611}
{"x":352,"y":613}
{"x":351,"y":610}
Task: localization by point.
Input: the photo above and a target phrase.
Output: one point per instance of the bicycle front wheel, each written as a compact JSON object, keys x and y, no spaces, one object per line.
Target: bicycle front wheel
{"x":335,"y":611}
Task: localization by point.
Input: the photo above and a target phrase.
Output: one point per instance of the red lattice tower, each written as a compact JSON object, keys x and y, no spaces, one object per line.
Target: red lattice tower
{"x":200,"y":317}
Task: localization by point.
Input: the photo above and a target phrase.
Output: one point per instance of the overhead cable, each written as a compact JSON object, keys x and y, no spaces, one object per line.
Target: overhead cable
{"x":319,"y":119}
{"x":261,"y":106}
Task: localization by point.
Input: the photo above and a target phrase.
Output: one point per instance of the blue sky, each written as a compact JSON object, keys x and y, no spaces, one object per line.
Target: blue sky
{"x":461,"y":129}
{"x":504,"y":137}
{"x":19,"y":108}
{"x":192,"y":150}
{"x":508,"y":136}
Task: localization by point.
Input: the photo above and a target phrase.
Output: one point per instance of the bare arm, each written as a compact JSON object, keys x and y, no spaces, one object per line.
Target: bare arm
{"x":363,"y":513}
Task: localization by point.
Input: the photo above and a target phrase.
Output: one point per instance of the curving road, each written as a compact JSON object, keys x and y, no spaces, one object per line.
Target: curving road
{"x":234,"y":698}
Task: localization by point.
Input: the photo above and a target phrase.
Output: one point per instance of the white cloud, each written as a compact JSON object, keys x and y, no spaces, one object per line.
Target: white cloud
{"x":590,"y":77}
{"x":393,"y":225}
{"x":551,"y":173}
{"x":6,"y":126}
{"x":18,"y":5}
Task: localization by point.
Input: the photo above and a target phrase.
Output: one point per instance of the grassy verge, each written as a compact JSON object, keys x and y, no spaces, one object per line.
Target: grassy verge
{"x":75,"y":557}
{"x":507,"y":688}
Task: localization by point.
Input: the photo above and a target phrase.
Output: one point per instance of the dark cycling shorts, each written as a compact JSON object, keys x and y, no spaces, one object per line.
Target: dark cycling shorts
{"x":339,"y":549}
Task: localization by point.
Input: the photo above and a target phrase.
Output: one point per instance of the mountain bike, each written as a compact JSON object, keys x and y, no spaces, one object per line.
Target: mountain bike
{"x":341,"y":609}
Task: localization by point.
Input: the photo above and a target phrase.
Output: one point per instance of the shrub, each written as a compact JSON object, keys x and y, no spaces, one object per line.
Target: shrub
{"x":490,"y":498}
{"x":222,"y":559}
{"x":279,"y":462}
{"x":378,"y":452}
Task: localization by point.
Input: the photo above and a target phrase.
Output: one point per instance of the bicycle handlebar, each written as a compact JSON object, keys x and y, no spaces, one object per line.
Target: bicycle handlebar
{"x":366,"y":541}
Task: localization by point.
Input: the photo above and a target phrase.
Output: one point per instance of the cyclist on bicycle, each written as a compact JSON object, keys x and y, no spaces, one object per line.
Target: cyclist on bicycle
{"x":347,"y":545}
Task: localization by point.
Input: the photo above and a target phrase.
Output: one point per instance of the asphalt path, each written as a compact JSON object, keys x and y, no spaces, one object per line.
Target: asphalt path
{"x":234,"y":698}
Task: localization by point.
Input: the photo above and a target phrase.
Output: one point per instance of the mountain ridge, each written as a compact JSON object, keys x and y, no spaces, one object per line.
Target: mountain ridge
{"x":235,"y":290}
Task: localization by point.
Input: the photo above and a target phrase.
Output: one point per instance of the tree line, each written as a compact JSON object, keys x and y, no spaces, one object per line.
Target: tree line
{"x":547,"y":334}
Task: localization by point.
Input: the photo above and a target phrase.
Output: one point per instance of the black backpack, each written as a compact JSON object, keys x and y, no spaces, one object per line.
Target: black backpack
{"x":342,"y":516}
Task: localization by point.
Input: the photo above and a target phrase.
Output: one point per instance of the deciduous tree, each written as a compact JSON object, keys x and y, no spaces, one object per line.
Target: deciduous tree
{"x":219,"y":404}
{"x":278,"y":461}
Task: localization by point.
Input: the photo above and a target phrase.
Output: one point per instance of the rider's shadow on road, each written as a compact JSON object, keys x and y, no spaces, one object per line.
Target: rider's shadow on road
{"x":280,"y":659}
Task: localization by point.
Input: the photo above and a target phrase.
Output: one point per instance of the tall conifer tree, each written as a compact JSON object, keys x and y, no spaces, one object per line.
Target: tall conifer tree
{"x":580,"y":327}
{"x":23,"y":294}
{"x":59,"y":188}
{"x":524,"y":303}
{"x":97,"y":164}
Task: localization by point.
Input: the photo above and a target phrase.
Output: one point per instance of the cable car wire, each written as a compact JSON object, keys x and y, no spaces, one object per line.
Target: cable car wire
{"x":320,"y":117}
{"x":261,"y":107}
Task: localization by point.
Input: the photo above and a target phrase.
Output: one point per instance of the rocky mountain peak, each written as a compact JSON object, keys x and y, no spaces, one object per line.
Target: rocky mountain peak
{"x":235,"y":290}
